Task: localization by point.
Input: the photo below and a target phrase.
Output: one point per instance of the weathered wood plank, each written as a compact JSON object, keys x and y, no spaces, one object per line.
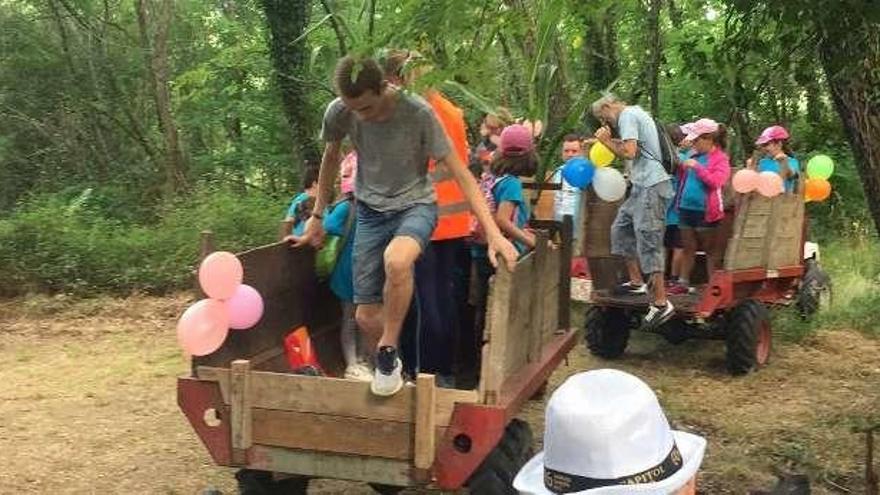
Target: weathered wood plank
{"x":326,"y":433}
{"x":334,"y":396}
{"x":541,"y":280}
{"x":426,"y":407}
{"x":240,"y":410}
{"x":328,"y":465}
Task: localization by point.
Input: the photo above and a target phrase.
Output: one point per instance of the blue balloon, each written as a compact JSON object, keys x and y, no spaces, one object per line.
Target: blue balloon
{"x":578,"y":172}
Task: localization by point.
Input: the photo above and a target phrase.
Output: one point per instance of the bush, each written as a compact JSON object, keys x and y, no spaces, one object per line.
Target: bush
{"x":57,"y":244}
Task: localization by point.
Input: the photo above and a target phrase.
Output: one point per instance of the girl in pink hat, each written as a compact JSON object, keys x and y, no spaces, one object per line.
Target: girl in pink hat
{"x":698,"y":200}
{"x":774,"y":155}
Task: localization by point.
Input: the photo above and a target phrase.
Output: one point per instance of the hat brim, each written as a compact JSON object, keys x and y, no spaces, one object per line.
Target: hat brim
{"x":530,"y":479}
{"x":763,"y":140}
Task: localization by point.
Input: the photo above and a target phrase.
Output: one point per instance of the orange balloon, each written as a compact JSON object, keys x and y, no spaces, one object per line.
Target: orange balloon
{"x":817,"y":189}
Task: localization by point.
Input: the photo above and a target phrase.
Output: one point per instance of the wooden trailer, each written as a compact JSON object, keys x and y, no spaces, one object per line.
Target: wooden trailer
{"x":251,"y":412}
{"x":763,"y":264}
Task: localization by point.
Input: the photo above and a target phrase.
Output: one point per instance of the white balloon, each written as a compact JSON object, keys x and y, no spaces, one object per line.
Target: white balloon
{"x":609,"y":184}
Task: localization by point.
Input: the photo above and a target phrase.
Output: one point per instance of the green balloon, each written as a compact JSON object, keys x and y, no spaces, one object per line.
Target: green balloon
{"x":820,"y":167}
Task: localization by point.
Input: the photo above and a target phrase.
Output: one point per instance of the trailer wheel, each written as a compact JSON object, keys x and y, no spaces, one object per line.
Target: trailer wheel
{"x":814,"y":293}
{"x":748,"y":337}
{"x":607,"y":331}
{"x":495,"y":475}
{"x":675,"y":331}
{"x":255,"y":482}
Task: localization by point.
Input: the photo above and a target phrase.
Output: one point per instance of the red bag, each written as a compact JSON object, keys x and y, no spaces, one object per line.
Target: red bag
{"x":300,"y":354}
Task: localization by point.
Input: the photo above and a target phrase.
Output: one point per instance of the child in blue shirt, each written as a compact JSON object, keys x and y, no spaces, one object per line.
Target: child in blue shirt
{"x":774,"y":155}
{"x":301,"y":205}
{"x":339,"y":220}
{"x":503,"y":190}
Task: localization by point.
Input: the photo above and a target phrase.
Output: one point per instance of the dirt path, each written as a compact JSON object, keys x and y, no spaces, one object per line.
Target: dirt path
{"x":87,"y":404}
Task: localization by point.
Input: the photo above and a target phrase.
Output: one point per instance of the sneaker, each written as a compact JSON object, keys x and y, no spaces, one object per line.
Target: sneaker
{"x":678,"y":289}
{"x":659,"y":315}
{"x":628,"y":288}
{"x":359,"y":372}
{"x":387,"y":379}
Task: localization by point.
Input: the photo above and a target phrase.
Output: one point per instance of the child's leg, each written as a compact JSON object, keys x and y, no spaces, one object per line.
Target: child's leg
{"x":348,"y":334}
{"x":689,"y":243}
{"x":706,"y":240}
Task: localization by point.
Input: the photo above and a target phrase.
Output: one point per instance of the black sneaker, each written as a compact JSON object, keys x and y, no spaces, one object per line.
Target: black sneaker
{"x":631,"y":289}
{"x":387,"y":379}
{"x":658,"y":315}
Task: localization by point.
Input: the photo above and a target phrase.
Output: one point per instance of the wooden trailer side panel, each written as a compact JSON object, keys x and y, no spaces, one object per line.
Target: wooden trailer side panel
{"x":292,"y":297}
{"x":517,"y":319}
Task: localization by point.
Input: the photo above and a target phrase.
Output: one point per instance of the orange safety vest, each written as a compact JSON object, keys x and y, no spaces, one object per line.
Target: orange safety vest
{"x":453,"y":211}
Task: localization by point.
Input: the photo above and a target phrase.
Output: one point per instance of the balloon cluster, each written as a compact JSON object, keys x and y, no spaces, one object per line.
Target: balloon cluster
{"x":608,"y":183}
{"x":770,"y":184}
{"x":203,"y":326}
{"x":767,"y":183}
{"x":819,"y":170}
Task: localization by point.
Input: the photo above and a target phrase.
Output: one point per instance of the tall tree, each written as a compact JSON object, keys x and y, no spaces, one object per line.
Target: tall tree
{"x":850,"y":55}
{"x":287,"y":20}
{"x":154,"y":21}
{"x":654,"y":42}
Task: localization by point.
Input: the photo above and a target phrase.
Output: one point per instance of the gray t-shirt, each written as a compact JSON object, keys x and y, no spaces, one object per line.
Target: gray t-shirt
{"x":392,"y":155}
{"x":635,"y":123}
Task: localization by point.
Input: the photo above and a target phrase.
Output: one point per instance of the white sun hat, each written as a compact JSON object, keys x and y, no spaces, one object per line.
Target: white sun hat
{"x":605,"y":434}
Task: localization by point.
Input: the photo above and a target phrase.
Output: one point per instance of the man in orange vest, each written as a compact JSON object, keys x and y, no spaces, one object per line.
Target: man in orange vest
{"x":441,"y":273}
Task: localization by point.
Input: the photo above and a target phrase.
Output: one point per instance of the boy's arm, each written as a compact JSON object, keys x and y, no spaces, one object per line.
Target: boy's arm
{"x":314,"y":230}
{"x":497,"y":243}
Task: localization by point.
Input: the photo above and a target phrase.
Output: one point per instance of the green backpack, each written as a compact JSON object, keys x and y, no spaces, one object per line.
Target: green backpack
{"x":328,"y":255}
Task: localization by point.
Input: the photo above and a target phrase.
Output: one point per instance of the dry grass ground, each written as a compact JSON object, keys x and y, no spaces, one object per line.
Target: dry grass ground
{"x":87,"y":403}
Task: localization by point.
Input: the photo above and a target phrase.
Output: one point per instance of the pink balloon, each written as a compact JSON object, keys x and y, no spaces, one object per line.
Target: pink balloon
{"x":220,"y":274}
{"x":745,"y":181}
{"x":770,"y":184}
{"x":203,"y":327}
{"x":245,"y":307}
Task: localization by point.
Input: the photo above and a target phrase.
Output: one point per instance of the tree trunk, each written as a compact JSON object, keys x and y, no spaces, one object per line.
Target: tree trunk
{"x":287,"y":19}
{"x":600,"y":47}
{"x":156,"y":61}
{"x":654,"y":41}
{"x":851,"y":59}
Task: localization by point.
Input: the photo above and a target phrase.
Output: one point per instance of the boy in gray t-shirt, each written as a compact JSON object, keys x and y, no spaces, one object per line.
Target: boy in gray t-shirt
{"x":394,"y":134}
{"x":637,"y":231}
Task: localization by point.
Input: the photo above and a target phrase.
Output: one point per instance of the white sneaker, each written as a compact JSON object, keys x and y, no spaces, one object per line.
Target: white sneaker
{"x":387,"y":379}
{"x":659,"y":315}
{"x":359,"y":372}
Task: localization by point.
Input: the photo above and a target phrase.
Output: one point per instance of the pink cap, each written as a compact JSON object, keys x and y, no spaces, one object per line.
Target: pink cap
{"x":696,"y":129}
{"x":772,"y":133}
{"x":516,"y":140}
{"x":348,"y":169}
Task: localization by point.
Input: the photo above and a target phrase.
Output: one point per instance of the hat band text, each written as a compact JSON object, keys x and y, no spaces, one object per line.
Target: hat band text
{"x":559,"y":482}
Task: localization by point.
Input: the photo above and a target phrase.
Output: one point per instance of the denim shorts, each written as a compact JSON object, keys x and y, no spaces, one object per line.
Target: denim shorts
{"x":637,"y":231}
{"x":375,"y":230}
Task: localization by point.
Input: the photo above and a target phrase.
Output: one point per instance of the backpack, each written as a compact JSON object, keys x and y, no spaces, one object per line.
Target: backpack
{"x":487,"y":184}
{"x":668,"y":155}
{"x":328,"y":255}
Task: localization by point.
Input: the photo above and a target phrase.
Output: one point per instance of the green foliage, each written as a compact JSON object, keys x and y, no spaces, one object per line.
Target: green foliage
{"x":61,"y":244}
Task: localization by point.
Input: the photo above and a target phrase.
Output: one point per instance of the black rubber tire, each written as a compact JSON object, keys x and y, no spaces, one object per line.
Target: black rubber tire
{"x":813,"y":286}
{"x":495,"y":475}
{"x":675,"y":331}
{"x":743,"y":326}
{"x":386,"y":489}
{"x":517,"y":441}
{"x":255,"y":482}
{"x":606,"y":331}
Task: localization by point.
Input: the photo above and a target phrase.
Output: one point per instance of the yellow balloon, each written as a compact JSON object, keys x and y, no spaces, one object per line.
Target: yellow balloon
{"x":600,"y":155}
